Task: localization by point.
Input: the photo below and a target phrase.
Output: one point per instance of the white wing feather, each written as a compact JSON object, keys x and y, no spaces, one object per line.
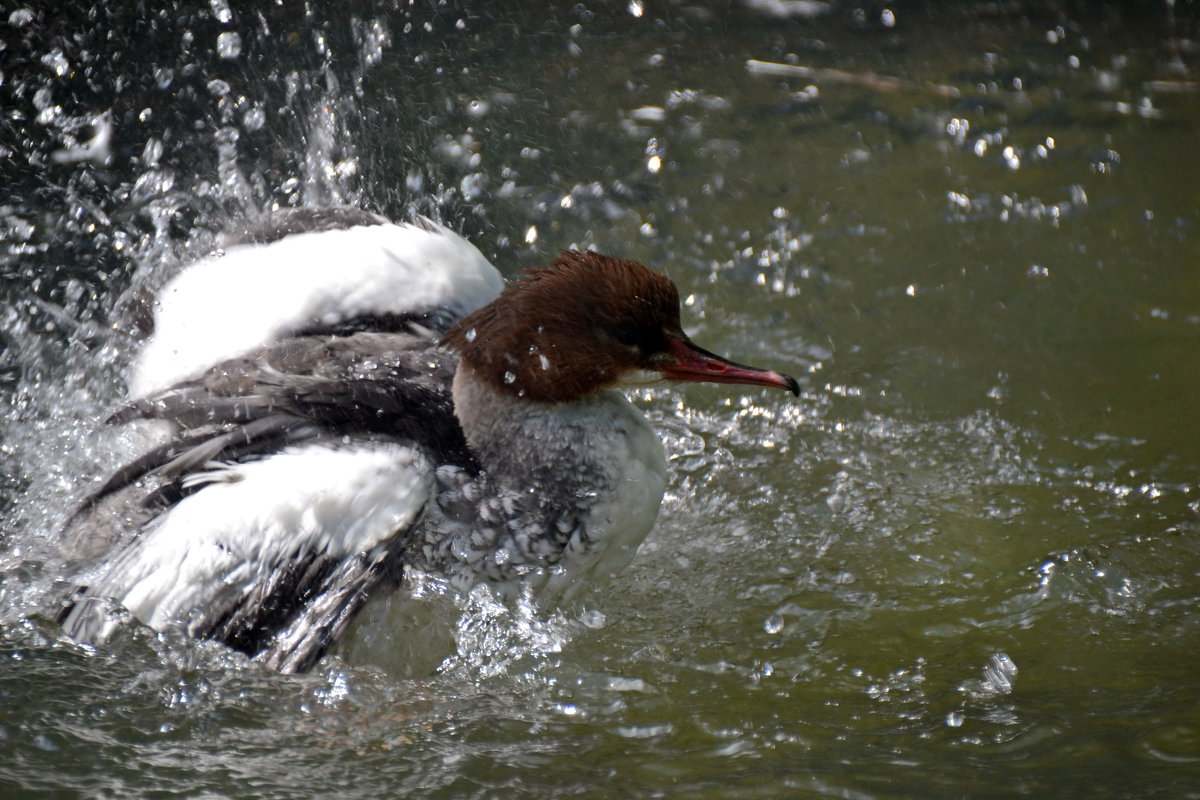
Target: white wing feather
{"x":249,"y":521}
{"x":254,"y":294}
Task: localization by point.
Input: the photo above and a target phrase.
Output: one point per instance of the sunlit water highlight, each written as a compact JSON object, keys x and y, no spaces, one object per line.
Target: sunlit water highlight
{"x":963,"y":563}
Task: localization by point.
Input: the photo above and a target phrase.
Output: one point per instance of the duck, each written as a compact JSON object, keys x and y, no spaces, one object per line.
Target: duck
{"x":335,"y":401}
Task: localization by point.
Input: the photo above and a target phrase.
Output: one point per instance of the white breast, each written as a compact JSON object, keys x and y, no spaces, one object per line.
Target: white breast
{"x":225,"y":305}
{"x":630,"y":452}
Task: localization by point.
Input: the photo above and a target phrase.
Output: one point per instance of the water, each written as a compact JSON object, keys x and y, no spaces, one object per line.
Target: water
{"x":962,"y":564}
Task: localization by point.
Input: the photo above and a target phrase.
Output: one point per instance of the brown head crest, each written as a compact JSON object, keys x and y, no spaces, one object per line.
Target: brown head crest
{"x":573,"y":328}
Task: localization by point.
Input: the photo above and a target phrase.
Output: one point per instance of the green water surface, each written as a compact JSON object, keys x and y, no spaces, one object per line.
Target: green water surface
{"x":964,"y":563}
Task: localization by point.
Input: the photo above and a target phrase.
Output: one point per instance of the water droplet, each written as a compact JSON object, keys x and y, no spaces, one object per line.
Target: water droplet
{"x":470,"y":335}
{"x":649,"y":114}
{"x":595,"y":620}
{"x":57,"y":62}
{"x":227,"y":137}
{"x":153,"y":151}
{"x":229,"y":45}
{"x":221,"y":11}
{"x":773,"y":624}
{"x":44,"y":742}
{"x":955,"y":719}
{"x":543,"y":362}
{"x":999,"y":673}
{"x":473,"y":186}
{"x":509,"y":377}
{"x":374,"y":41}
{"x":254,"y":118}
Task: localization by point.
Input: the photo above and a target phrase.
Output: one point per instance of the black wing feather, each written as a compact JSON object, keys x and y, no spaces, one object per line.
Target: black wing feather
{"x":303,"y":389}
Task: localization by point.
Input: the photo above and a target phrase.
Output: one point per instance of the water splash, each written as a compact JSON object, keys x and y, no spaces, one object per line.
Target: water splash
{"x":492,"y":636}
{"x":117,"y":192}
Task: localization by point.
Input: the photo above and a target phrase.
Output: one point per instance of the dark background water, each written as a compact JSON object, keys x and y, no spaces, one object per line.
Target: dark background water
{"x":964,"y":563}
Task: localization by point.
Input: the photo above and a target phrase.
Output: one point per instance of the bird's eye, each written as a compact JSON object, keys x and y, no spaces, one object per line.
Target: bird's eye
{"x":626,"y":336}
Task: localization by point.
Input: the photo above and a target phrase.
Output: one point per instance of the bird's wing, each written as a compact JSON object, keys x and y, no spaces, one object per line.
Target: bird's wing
{"x":274,"y":556}
{"x":275,"y":281}
{"x":386,"y":386}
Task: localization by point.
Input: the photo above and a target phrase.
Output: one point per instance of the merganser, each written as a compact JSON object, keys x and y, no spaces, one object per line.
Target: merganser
{"x":403,"y":410}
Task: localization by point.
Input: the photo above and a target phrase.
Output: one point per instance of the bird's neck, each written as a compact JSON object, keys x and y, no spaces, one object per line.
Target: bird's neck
{"x":528,"y":445}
